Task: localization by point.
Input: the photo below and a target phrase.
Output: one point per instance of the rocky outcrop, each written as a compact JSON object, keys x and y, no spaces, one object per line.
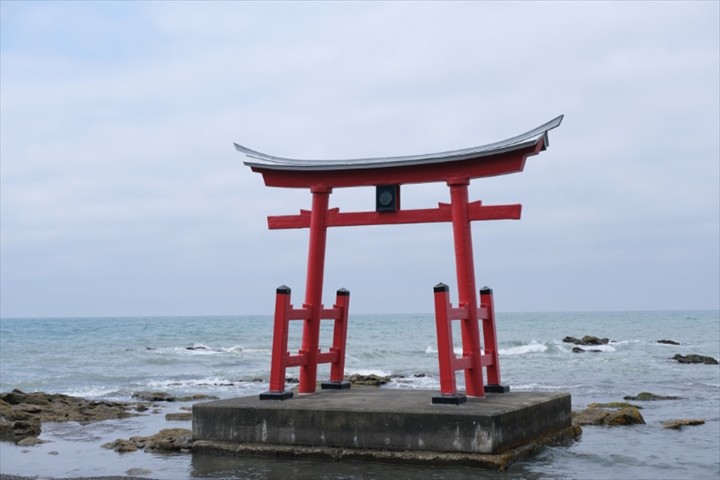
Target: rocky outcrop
{"x":649,"y":397}
{"x":694,"y":358}
{"x":154,"y":396}
{"x":668,"y":342}
{"x":167,"y":440}
{"x":682,"y":422}
{"x":371,"y":380}
{"x":150,"y":396}
{"x":614,"y":405}
{"x":583,"y":350}
{"x":586,"y":340}
{"x":595,"y":415}
{"x":21,"y":413}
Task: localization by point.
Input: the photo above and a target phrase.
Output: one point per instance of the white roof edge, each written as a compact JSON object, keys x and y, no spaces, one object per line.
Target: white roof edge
{"x":517,"y":142}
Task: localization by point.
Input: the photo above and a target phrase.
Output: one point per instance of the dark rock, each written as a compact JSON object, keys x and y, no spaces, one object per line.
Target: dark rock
{"x":583,"y":350}
{"x":586,"y":340}
{"x":369,"y":380}
{"x":196,"y":348}
{"x":649,"y":397}
{"x":199,"y":396}
{"x":693,"y":358}
{"x":167,"y":440}
{"x":594,"y":415}
{"x":154,"y":396}
{"x":121,"y":446}
{"x":668,"y":342}
{"x":683,"y":422}
{"x":17,"y":430}
{"x":614,"y":405}
{"x":30,"y":442}
{"x":574,"y":340}
{"x":22,"y":413}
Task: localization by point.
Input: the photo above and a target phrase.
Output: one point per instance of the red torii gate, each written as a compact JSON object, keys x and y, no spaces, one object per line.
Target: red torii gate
{"x":456,"y":168}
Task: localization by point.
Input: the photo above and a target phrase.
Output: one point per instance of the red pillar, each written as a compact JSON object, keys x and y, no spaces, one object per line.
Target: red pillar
{"x":465,"y":266}
{"x":337,"y":367}
{"x":491,"y":345}
{"x":279,"y":349}
{"x":313,"y":287}
{"x":446,"y":355}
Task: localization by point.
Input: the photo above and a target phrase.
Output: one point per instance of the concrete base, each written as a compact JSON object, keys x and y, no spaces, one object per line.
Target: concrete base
{"x":382,"y":420}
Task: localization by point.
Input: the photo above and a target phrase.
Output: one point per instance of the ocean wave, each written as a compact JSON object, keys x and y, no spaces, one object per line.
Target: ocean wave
{"x":91,"y":392}
{"x":542,"y":386}
{"x":457,"y":350}
{"x":365,"y":372}
{"x":533,"y":347}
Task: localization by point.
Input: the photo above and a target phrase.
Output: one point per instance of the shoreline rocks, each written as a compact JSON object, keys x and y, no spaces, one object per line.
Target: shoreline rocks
{"x":649,"y":397}
{"x":668,"y":342}
{"x":694,"y":358}
{"x":371,"y":380}
{"x":166,"y":440}
{"x":586,"y":340}
{"x":21,"y":414}
{"x":595,"y":414}
{"x":678,"y":424}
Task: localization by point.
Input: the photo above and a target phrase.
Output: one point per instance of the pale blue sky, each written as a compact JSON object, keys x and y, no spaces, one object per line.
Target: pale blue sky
{"x":121,"y":193}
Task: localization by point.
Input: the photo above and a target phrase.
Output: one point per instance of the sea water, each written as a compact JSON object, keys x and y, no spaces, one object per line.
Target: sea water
{"x":111,"y":358}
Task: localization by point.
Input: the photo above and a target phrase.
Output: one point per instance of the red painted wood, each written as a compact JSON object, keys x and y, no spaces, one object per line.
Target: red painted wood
{"x":280,"y":340}
{"x":465,"y":269}
{"x":499,"y":164}
{"x":446,"y":356}
{"x":342,"y":306}
{"x":443,"y":213}
{"x":313,"y":288}
{"x":490,"y":337}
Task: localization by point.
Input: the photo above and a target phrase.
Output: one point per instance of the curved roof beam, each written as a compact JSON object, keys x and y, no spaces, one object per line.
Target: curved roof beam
{"x":530,"y":138}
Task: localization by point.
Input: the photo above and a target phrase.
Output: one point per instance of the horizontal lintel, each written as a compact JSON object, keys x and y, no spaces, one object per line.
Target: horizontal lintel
{"x":443,"y":213}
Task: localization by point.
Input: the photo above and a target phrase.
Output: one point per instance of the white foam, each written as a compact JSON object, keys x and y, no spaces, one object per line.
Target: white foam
{"x":362,"y":371}
{"x":532,"y":347}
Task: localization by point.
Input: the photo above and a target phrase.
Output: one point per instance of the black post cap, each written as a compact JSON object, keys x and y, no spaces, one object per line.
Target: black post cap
{"x":441,"y":287}
{"x":486,"y":290}
{"x":343,"y":292}
{"x":283,"y":289}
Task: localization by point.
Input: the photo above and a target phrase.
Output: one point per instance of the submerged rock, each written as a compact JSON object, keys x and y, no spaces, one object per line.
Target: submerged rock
{"x":682,"y":422}
{"x":167,"y":440}
{"x":586,"y":340}
{"x":649,"y":397}
{"x":21,"y":414}
{"x":694,"y":358}
{"x":153,"y":396}
{"x":614,"y":405}
{"x":668,"y":342}
{"x":583,"y":350}
{"x":594,"y":415}
{"x":18,"y":430}
{"x":369,"y":380}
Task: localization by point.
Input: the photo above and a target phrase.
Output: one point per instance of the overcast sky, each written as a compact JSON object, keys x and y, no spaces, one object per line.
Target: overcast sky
{"x":122,"y":194}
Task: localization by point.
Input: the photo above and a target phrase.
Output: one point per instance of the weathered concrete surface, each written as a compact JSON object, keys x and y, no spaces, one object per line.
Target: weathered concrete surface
{"x":383,"y":420}
{"x":499,"y":461}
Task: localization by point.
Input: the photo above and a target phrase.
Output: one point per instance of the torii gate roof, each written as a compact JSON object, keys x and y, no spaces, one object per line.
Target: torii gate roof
{"x":505,"y":156}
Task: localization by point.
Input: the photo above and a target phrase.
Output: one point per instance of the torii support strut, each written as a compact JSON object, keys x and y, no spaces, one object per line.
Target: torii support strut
{"x":456,"y":168}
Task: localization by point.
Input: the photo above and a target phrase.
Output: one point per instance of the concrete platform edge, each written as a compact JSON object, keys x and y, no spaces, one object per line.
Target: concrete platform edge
{"x":500,"y":461}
